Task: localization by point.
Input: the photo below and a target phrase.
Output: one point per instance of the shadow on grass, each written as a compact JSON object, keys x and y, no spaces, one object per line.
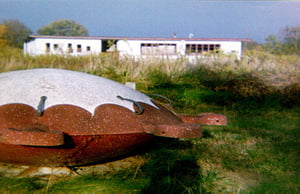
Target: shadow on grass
{"x":172,"y":168}
{"x":16,"y":185}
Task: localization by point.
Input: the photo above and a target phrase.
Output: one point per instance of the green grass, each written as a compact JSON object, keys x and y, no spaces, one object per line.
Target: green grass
{"x":257,"y":152}
{"x":94,"y":184}
{"x":22,"y":185}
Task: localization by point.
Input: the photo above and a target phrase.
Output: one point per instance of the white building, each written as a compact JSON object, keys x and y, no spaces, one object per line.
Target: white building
{"x":136,"y":47}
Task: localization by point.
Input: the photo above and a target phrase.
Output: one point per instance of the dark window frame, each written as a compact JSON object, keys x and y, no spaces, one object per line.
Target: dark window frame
{"x":55,"y":46}
{"x":48,"y":47}
{"x":201,"y":48}
{"x":79,"y":48}
{"x":70,"y":48}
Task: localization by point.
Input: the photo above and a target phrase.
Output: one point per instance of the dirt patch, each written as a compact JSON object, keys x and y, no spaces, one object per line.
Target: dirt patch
{"x":227,"y":180}
{"x":13,"y":170}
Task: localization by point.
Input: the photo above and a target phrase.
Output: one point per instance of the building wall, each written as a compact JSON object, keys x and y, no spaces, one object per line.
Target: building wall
{"x":176,"y":48}
{"x":136,"y":48}
{"x":72,"y":47}
{"x":191,"y":49}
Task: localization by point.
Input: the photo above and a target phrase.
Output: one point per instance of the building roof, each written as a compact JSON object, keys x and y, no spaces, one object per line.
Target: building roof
{"x":137,"y":38}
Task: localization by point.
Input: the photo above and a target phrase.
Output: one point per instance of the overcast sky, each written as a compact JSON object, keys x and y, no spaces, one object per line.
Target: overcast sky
{"x":160,"y":18}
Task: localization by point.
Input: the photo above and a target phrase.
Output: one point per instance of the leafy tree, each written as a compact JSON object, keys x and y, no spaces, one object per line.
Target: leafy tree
{"x":64,"y":28}
{"x":289,"y":43}
{"x":272,"y":44}
{"x":3,"y":32}
{"x":291,"y":39}
{"x":252,"y":45}
{"x":16,"y":32}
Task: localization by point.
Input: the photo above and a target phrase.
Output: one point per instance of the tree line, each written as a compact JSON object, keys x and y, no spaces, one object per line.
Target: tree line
{"x":287,"y":42}
{"x":14,"y":33}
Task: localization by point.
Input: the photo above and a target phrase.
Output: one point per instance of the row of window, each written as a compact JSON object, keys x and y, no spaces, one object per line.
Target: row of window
{"x":154,"y":48}
{"x":70,"y":48}
{"x":202,"y":48}
{"x":147,"y":48}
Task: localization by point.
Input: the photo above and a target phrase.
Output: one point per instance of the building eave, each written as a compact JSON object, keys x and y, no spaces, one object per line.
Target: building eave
{"x":138,"y":38}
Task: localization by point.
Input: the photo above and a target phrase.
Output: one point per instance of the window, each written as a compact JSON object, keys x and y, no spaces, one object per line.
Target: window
{"x":55,"y":46}
{"x":201,"y":48}
{"x":194,"y":48}
{"x":158,"y":49}
{"x":79,"y":48}
{"x":70,"y":49}
{"x":88,"y":48}
{"x":48,"y":47}
{"x":205,"y":48}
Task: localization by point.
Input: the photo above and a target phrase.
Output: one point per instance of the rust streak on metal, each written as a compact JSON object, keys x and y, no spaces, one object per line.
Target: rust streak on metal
{"x":205,"y":119}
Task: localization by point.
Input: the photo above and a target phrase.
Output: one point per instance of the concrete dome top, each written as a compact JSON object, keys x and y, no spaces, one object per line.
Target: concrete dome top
{"x":65,"y":87}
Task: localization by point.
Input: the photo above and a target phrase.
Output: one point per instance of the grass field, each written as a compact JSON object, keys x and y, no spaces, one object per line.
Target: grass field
{"x":257,"y":152}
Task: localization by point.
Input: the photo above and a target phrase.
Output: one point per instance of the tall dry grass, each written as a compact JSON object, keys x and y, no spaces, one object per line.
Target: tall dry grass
{"x":257,"y":72}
